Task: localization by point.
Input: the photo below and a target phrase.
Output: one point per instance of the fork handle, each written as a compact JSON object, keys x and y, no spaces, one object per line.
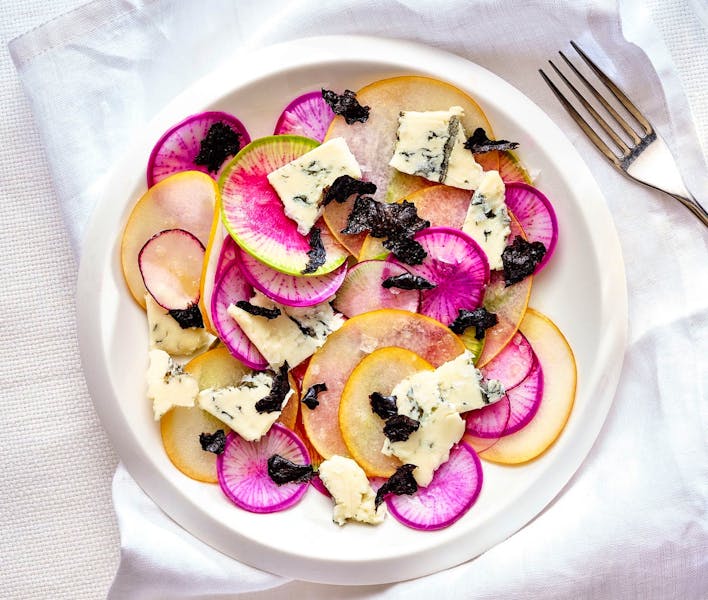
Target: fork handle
{"x":694,"y":207}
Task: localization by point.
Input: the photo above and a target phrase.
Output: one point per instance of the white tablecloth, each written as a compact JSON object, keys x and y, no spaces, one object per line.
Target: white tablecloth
{"x":58,"y":535}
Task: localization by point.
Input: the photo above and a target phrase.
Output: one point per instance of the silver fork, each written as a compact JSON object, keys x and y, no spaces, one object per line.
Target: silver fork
{"x":646,"y":158}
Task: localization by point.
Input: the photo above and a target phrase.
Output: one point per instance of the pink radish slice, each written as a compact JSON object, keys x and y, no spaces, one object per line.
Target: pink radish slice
{"x":308,"y":115}
{"x":512,"y":364}
{"x":457,"y":266}
{"x":242,"y":470}
{"x":362,"y":290}
{"x":291,"y":290}
{"x":489,"y":422}
{"x":453,"y":490}
{"x":229,"y":289}
{"x":525,"y":399}
{"x":316,"y":483}
{"x":171,"y":265}
{"x":535,"y":215}
{"x":176,"y":150}
{"x":229,"y":251}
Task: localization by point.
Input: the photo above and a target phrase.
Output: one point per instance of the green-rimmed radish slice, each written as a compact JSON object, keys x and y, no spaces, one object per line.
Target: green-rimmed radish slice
{"x":201,"y":142}
{"x":307,"y":115}
{"x":291,"y":290}
{"x":362,"y":290}
{"x":243,"y":470}
{"x":511,"y":169}
{"x":171,"y":265}
{"x":452,"y":492}
{"x":253,"y":213}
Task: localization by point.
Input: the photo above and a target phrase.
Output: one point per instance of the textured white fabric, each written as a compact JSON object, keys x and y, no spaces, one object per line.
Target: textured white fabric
{"x":632,"y":522}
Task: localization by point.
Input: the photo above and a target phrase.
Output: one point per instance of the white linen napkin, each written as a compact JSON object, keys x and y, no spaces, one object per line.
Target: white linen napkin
{"x":632,"y":521}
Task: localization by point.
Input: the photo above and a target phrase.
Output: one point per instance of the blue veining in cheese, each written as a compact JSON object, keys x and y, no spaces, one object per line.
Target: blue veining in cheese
{"x":167,"y":384}
{"x":166,"y":334}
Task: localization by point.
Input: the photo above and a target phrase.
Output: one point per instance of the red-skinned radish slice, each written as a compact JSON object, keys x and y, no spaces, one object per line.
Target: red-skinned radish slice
{"x":452,"y":492}
{"x":535,"y":215}
{"x":457,"y":266}
{"x":525,"y":399}
{"x":291,"y":290}
{"x":171,"y":265}
{"x":231,"y":287}
{"x":307,"y":115}
{"x":362,"y":290}
{"x":178,"y":148}
{"x":243,"y":471}
{"x":512,"y":364}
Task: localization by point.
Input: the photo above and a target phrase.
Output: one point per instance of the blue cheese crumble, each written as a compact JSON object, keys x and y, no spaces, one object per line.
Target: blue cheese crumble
{"x":166,"y":334}
{"x":167,"y":384}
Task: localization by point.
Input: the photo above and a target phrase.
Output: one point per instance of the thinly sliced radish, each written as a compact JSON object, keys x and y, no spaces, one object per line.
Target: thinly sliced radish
{"x":457,"y":266}
{"x":308,"y":115}
{"x":291,"y":290}
{"x":510,"y":168}
{"x":243,"y":470}
{"x":512,"y":364}
{"x":453,"y":490}
{"x":525,"y":399}
{"x":178,"y":148}
{"x":489,"y":422}
{"x":362,"y":290}
{"x":229,"y":289}
{"x":171,"y":265}
{"x":536,"y":216}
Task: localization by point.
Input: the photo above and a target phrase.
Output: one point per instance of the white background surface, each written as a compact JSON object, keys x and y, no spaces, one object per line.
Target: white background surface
{"x":58,"y":536}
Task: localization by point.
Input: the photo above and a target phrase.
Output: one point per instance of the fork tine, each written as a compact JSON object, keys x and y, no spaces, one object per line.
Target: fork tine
{"x":605,"y":126}
{"x":589,"y":131}
{"x":626,"y":102}
{"x":601,"y":99}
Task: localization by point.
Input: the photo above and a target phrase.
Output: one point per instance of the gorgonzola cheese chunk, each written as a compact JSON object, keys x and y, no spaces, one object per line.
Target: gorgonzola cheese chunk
{"x":301,"y":182}
{"x":168,"y":385}
{"x":166,"y":334}
{"x":352,"y":494}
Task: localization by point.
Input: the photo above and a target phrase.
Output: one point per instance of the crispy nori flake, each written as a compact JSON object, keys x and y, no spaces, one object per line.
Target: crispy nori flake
{"x":219,"y":143}
{"x":310,"y":397}
{"x":213,"y":442}
{"x":304,"y":329}
{"x":316,"y":255}
{"x":479,"y":318}
{"x":258,"y":311}
{"x":520,"y":259}
{"x":344,"y":186}
{"x":400,"y":483}
{"x":384,"y":406}
{"x":479,"y":143}
{"x":282,"y":471}
{"x":346,"y":105}
{"x":273,"y":402}
{"x":398,"y":428}
{"x":398,"y":222}
{"x":189,"y":317}
{"x":408,"y":281}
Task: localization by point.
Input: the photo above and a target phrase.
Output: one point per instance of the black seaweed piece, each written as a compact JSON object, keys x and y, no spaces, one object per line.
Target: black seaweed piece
{"x":398,"y":428}
{"x":384,"y":406}
{"x":189,"y":317}
{"x":213,"y":442}
{"x":258,"y":311}
{"x":345,"y":186}
{"x":520,"y":259}
{"x":406,"y":250}
{"x":479,"y":318}
{"x":346,"y":105}
{"x":479,"y":143}
{"x":282,"y":471}
{"x":310,"y":397}
{"x":400,"y":483}
{"x":273,"y":402}
{"x":316,"y":255}
{"x":408,"y":281}
{"x":219,"y":143}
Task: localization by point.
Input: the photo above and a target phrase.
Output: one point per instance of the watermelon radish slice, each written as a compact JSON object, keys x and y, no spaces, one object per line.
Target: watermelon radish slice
{"x":242,"y":470}
{"x":308,"y":115}
{"x":510,"y":168}
{"x":178,"y":148}
{"x":254,"y":214}
{"x":525,"y":399}
{"x":457,"y":266}
{"x":171,"y":265}
{"x":453,"y":490}
{"x":490,"y":422}
{"x":362,"y":290}
{"x":512,"y":364}
{"x":535,"y":215}
{"x":231,"y":287}
{"x":290,"y":290}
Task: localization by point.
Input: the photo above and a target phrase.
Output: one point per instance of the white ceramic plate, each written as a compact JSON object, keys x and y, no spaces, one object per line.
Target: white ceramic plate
{"x":582,"y":290}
